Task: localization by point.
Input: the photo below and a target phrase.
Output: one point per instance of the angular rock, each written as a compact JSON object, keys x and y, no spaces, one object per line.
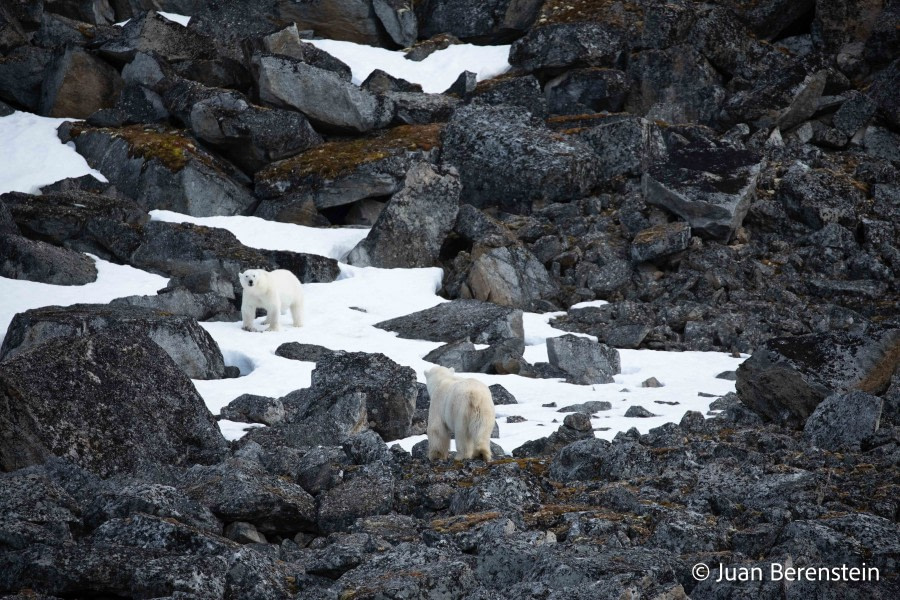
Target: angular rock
{"x":506,"y":159}
{"x":112,"y":403}
{"x":398,"y":19}
{"x":178,"y":300}
{"x":162,"y":169}
{"x":587,"y":408}
{"x":583,"y":360}
{"x":638,"y":412}
{"x":522,"y":91}
{"x":287,"y":42}
{"x":163,"y":501}
{"x":881,"y":91}
{"x":328,"y":100}
{"x":582,"y":91}
{"x":360,"y":497}
{"x":36,"y":510}
{"x":786,"y":379}
{"x":709,"y":187}
{"x":21,"y":76}
{"x":805,"y":100}
{"x":380,"y":82}
{"x":32,"y":260}
{"x":349,"y":20}
{"x":236,"y":491}
{"x":249,"y":135}
{"x":366,"y":447}
{"x":559,"y":45}
{"x":389,"y":390}
{"x":625,"y":145}
{"x":501,"y":396}
{"x":660,"y":241}
{"x":510,"y":276}
{"x":412,"y":227}
{"x":343,"y":172}
{"x":816,"y":197}
{"x":480,"y":322}
{"x":305,"y":352}
{"x":152,"y":33}
{"x":854,"y":114}
{"x":485,"y":22}
{"x":182,"y":338}
{"x":843,"y":421}
{"x":248,"y":408}
{"x":501,"y":358}
{"x":413,"y":108}
{"x":78,"y":84}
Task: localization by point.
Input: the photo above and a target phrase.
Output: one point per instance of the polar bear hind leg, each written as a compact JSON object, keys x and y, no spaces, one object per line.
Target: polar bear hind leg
{"x":297,"y":312}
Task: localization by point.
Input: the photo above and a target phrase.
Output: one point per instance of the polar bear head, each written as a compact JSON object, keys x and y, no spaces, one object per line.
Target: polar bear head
{"x":436,"y":374}
{"x":255,"y":279}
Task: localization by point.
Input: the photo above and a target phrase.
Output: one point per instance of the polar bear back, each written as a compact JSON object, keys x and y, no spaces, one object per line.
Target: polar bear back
{"x":288,"y":286}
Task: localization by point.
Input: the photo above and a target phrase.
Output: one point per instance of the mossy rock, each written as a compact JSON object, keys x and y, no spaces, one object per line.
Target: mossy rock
{"x":171,"y":147}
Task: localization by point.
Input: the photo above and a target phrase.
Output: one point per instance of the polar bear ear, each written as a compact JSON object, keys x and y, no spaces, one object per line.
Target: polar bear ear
{"x":453,"y":369}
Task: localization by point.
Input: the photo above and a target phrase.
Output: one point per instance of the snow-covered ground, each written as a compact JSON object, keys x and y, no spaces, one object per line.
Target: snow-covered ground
{"x":341,"y":315}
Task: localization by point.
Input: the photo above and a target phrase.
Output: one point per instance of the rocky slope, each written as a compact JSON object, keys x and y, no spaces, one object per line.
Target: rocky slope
{"x":725,"y":174}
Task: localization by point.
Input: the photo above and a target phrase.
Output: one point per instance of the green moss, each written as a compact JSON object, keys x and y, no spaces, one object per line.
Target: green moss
{"x":337,"y":158}
{"x":171,"y":147}
{"x":463,"y":522}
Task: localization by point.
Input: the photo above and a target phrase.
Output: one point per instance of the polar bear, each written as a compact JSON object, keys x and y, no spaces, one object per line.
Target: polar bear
{"x":460,"y":407}
{"x":273,"y":291}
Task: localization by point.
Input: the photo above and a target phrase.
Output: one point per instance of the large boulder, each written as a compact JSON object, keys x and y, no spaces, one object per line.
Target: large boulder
{"x":480,"y":322}
{"x":342,"y":172}
{"x":581,"y":91}
{"x":843,"y":421}
{"x":77,"y":84}
{"x":624,"y":144}
{"x":786,"y":379}
{"x":161,"y":168}
{"x":153,"y":33}
{"x":709,"y":186}
{"x":481,"y":21}
{"x":560,"y":45}
{"x":249,"y":135}
{"x":389,"y":389}
{"x":583,"y":360}
{"x":111,"y":402}
{"x":510,"y":276}
{"x":510,"y":160}
{"x":412,"y":227}
{"x":34,"y":260}
{"x":22,"y":74}
{"x":329,"y":100}
{"x":182,"y":338}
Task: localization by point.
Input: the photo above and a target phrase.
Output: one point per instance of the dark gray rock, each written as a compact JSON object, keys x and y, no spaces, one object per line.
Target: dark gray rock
{"x":412,"y":108}
{"x":660,"y":241}
{"x":151,"y":33}
{"x":241,"y":491}
{"x":854,"y":114}
{"x":625,"y":145}
{"x":36,"y":510}
{"x":843,"y":420}
{"x":315,"y":417}
{"x":675,"y":85}
{"x":33,"y":260}
{"x":583,"y":91}
{"x":501,"y":396}
{"x":164,"y":169}
{"x":248,"y":408}
{"x":249,"y":135}
{"x":182,"y":338}
{"x":567,"y":44}
{"x":163,"y":501}
{"x":881,"y":91}
{"x":178,"y":300}
{"x":575,"y":427}
{"x":480,"y":322}
{"x":584,"y":361}
{"x":151,"y":532}
{"x":881,"y":143}
{"x":287,"y":42}
{"x":398,"y":19}
{"x":463,"y":86}
{"x":501,"y":358}
{"x":6,"y":109}
{"x":599,"y":459}
{"x":366,"y":447}
{"x":148,"y":414}
{"x":524,"y":91}
{"x":490,"y":22}
{"x":638,"y":412}
{"x":244,"y":533}
{"x":510,"y":276}
{"x":77,"y":84}
{"x":304,"y":352}
{"x":709,"y":187}
{"x":787,"y":378}
{"x":328,"y":100}
{"x":362,"y":496}
{"x":412,"y":227}
{"x":587,"y":408}
{"x":21,"y":76}
{"x":507,"y":159}
{"x":380,"y":82}
{"x":389,"y":390}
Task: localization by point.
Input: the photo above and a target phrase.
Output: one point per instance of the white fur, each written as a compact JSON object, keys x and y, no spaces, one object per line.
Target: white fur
{"x":274,"y":291}
{"x":462,"y":408}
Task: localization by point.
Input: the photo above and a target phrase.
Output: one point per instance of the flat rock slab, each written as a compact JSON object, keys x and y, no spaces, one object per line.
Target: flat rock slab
{"x":786,"y":379}
{"x":34,"y":260}
{"x":182,"y":338}
{"x":843,"y":421}
{"x":710,"y":188}
{"x":110,"y":401}
{"x":660,"y":241}
{"x":480,"y":322}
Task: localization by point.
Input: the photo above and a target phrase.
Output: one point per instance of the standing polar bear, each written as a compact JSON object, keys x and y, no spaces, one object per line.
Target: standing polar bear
{"x":462,"y":408}
{"x":274,"y":291}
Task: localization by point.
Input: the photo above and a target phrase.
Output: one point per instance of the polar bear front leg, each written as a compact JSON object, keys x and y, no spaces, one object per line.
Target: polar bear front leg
{"x":248,"y":314}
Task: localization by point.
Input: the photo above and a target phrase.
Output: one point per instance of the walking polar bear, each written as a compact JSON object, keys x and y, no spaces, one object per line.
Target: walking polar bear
{"x":462,"y":408}
{"x":274,"y":291}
